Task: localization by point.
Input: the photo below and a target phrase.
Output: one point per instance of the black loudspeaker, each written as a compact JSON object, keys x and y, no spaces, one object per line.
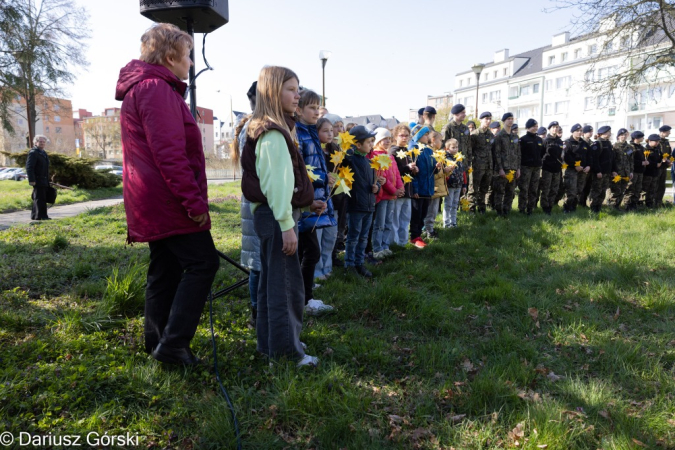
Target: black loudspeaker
{"x":206,"y":15}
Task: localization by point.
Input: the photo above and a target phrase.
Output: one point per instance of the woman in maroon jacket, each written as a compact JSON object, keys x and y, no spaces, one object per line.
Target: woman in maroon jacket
{"x":165,"y":192}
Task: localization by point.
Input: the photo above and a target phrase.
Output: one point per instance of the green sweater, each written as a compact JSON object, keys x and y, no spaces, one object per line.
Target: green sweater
{"x":274,"y":168}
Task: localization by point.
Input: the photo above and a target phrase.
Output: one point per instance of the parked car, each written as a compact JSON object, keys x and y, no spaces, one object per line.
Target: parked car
{"x":20,"y":175}
{"x":9,"y":173}
{"x":115,"y":170}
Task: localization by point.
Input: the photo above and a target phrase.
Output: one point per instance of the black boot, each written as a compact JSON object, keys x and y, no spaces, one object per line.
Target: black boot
{"x":171,"y":355}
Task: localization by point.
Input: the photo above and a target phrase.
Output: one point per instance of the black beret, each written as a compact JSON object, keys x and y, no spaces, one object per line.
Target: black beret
{"x":553,"y":124}
{"x":530,"y":123}
{"x":251,"y":91}
{"x":637,"y":135}
{"x":665,"y":128}
{"x":576,"y":127}
{"x":506,"y":116}
{"x":420,"y":111}
{"x":485,"y":114}
{"x":495,"y":125}
{"x":588,"y":129}
{"x":654,"y":137}
{"x":430,"y":110}
{"x":458,"y":108}
{"x":621,"y":131}
{"x":514,"y":126}
{"x":541,"y":130}
{"x":604,"y":129}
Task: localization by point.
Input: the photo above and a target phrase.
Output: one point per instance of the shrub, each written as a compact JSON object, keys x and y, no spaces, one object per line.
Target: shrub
{"x":59,"y":243}
{"x":70,"y":171}
{"x":125,"y":293}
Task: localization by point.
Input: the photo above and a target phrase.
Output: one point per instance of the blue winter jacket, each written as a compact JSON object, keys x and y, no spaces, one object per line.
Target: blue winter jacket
{"x":250,"y":242}
{"x":423,"y":181}
{"x":310,"y":148}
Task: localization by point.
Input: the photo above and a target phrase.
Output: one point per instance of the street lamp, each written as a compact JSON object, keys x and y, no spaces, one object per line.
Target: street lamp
{"x":323,"y":56}
{"x":477,"y":69}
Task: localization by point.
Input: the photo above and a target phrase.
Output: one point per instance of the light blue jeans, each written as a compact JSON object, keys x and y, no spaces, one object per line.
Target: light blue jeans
{"x":401,"y":220}
{"x":450,"y":207}
{"x":326,"y":237}
{"x":383,"y":227}
{"x":432,"y":212}
{"x":357,"y":238}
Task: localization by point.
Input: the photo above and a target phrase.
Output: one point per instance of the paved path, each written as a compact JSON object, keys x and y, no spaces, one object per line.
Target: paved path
{"x":56,"y":212}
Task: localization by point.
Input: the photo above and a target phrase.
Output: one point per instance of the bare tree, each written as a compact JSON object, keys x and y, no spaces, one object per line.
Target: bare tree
{"x":41,"y":42}
{"x":103,"y":133}
{"x":638,"y":33}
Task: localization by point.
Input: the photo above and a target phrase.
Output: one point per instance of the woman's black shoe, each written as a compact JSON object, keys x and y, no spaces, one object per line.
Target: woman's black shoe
{"x":171,"y":355}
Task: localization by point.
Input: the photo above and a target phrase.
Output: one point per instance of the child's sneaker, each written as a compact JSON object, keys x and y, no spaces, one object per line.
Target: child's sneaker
{"x":309,"y":361}
{"x":362,"y":271}
{"x":379,"y":255}
{"x":317,"y":308}
{"x":387,"y":252}
{"x":419,"y":243}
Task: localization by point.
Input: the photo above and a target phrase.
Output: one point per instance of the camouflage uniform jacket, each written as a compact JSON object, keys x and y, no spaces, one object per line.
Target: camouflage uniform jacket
{"x":664,"y":143}
{"x":506,"y":151}
{"x":459,"y":131}
{"x":481,"y":148}
{"x":623,"y":159}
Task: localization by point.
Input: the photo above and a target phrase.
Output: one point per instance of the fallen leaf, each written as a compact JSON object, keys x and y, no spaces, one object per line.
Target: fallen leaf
{"x":605,"y":414}
{"x":617,"y":313}
{"x":517,"y":433}
{"x":542,"y":446}
{"x":467,"y":366}
{"x":553,"y":377}
{"x":457,"y":418}
{"x":534,"y":313}
{"x":457,"y":309}
{"x":641,"y":444}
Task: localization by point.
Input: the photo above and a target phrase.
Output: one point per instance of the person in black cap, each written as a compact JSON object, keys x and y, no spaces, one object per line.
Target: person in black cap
{"x":429,"y":117}
{"x":623,"y":167}
{"x":531,"y":148}
{"x":576,"y":157}
{"x":601,"y":167}
{"x":583,"y":193}
{"x":495,"y":128}
{"x":507,"y":165}
{"x":455,"y":129}
{"x":551,"y":168}
{"x":634,"y":188}
{"x":481,"y":175}
{"x":542,"y":132}
{"x":652,"y":169}
{"x":666,"y":153}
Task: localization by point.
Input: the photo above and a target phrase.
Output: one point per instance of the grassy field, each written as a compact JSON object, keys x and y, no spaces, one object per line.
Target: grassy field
{"x":15,"y":195}
{"x":540,"y":332}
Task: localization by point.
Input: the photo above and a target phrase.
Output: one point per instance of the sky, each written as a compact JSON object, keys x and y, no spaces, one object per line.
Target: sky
{"x":387,"y":55}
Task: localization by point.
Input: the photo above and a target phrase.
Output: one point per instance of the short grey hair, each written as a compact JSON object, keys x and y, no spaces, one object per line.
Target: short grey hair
{"x":38,"y":137}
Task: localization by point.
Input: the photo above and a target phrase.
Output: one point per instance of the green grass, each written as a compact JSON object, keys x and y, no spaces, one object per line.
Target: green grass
{"x":553,"y":331}
{"x":16,"y":195}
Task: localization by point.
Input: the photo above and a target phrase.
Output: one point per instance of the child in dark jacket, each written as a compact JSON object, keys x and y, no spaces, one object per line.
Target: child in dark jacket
{"x":361,"y":204}
{"x":422,"y":185}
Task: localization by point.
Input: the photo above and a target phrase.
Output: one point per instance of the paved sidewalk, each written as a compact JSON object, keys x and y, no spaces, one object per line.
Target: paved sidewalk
{"x":56,"y":212}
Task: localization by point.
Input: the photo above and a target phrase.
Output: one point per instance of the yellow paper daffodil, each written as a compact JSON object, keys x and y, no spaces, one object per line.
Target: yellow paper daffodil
{"x":345,"y":173}
{"x":577,"y":163}
{"x":416,"y":151}
{"x":374,"y":164}
{"x":671,"y":159}
{"x":616,"y":179}
{"x":647,"y":153}
{"x":401,"y":154}
{"x":310,"y":173}
{"x":337,"y":157}
{"x":342,"y":187}
{"x":451,"y":163}
{"x":464,"y":202}
{"x":407,"y":179}
{"x":346,"y":140}
{"x":666,"y":155}
{"x":564,"y":166}
{"x":459,"y":156}
{"x":470,"y":170}
{"x":510,"y":176}
{"x":384,"y":161}
{"x":439,"y":156}
{"x":625,"y":178}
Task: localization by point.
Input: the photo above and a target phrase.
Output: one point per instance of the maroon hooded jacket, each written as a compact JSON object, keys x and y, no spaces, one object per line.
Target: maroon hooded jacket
{"x":164,"y":174}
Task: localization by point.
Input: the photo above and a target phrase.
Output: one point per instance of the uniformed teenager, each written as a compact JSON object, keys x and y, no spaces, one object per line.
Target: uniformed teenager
{"x":495,"y":128}
{"x":602,"y":161}
{"x":634,"y":188}
{"x":531,"y":147}
{"x":507,"y":166}
{"x":666,"y":153}
{"x":551,"y":168}
{"x":575,"y":157}
{"x":583,"y":193}
{"x":481,"y":163}
{"x":455,"y":129}
{"x":652,"y":169}
{"x":623,"y":168}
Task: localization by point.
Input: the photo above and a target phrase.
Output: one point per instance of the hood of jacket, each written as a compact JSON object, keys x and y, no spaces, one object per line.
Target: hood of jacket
{"x":137,"y":71}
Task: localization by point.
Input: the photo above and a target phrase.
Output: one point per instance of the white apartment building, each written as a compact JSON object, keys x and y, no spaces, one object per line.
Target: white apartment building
{"x":550,"y":84}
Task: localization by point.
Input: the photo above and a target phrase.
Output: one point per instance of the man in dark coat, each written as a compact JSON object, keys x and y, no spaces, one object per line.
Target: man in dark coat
{"x":37,"y":169}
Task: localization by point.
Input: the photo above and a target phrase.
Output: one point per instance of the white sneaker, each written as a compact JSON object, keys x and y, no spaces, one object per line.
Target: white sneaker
{"x":379,"y":255}
{"x":321,"y":278}
{"x":310,"y":361}
{"x":387,"y":252}
{"x":317,"y":307}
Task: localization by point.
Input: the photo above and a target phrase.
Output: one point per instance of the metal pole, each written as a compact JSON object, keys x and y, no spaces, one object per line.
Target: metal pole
{"x":191,"y":80}
{"x":475,"y":113}
{"x":323,"y":70}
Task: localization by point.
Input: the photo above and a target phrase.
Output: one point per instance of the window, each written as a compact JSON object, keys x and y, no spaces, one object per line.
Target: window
{"x":656,"y":123}
{"x":525,"y":90}
{"x":563,"y":82}
{"x":589,"y":75}
{"x":577,"y":53}
{"x":46,"y":129}
{"x":494,"y":74}
{"x":625,"y":42}
{"x":549,"y":85}
{"x":535,"y":88}
{"x":563,"y":57}
{"x":58,"y":129}
{"x":505,"y":71}
{"x":551,"y":60}
{"x":561,"y":107}
{"x":548,"y":109}
{"x":485,"y":97}
{"x":609,"y":46}
{"x":461,"y":83}
{"x":513,"y":92}
{"x":589,"y":103}
{"x":468,"y":81}
{"x":56,"y":107}
{"x":57,"y":119}
{"x":495,"y":96}
{"x":486,"y":76}
{"x":593,"y":49}
{"x":20,"y":121}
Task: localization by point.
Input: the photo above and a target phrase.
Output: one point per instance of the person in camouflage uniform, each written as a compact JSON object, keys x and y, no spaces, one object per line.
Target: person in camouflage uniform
{"x":561,"y":186}
{"x":495,"y":128}
{"x":575,"y":161}
{"x":601,"y":167}
{"x":654,"y":159}
{"x":551,"y":168}
{"x":666,"y":152}
{"x":586,"y":189}
{"x":455,"y":129}
{"x":507,"y":165}
{"x":634,"y":187}
{"x":623,"y":167}
{"x":531,"y":147}
{"x":481,"y":163}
